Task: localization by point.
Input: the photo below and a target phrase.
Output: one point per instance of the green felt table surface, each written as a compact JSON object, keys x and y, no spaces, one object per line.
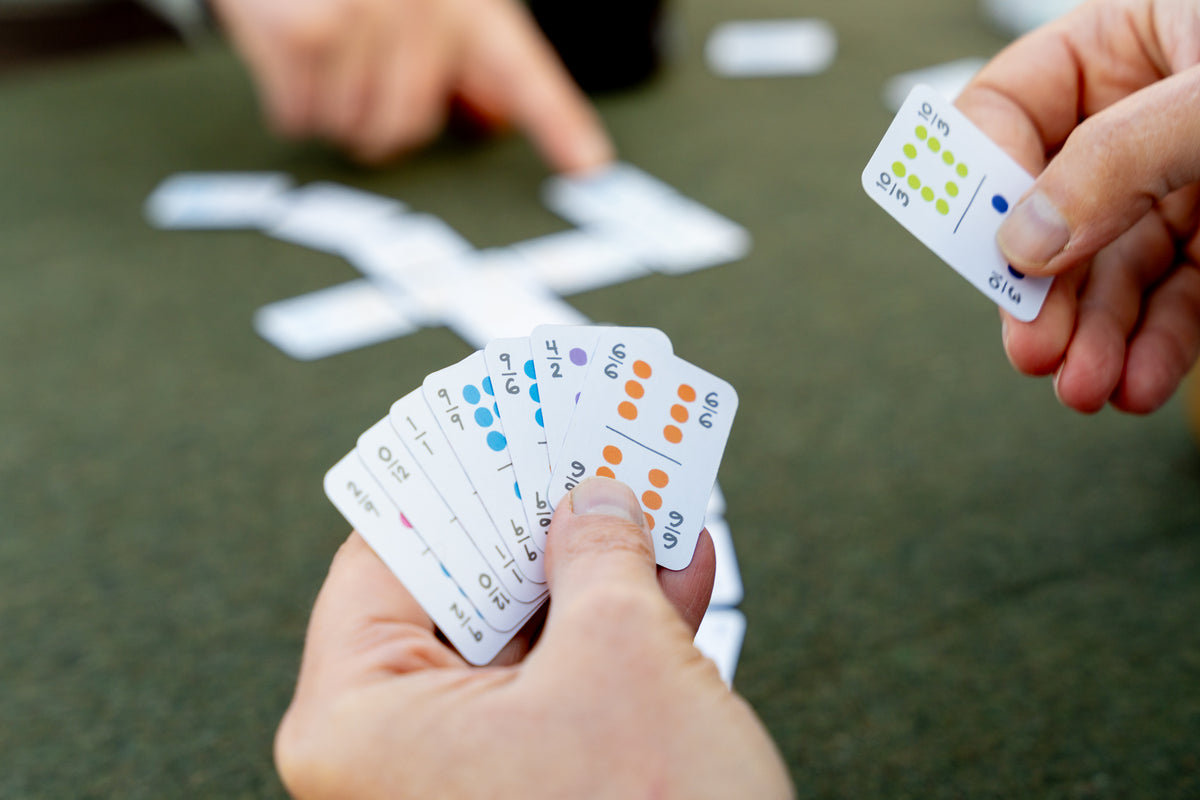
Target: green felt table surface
{"x":954,"y":587}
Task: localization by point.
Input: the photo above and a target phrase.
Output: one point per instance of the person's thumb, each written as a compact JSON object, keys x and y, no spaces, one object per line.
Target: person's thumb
{"x":599,"y":541}
{"x":1110,"y":172}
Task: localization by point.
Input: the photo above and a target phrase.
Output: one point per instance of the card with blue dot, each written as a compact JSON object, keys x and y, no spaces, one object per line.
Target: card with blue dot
{"x":950,"y":186}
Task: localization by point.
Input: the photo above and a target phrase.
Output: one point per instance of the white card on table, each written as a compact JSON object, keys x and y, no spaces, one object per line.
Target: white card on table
{"x":510,"y":365}
{"x":669,"y":232}
{"x":367,"y":507}
{"x":720,"y":637}
{"x":727,"y":582}
{"x":218,"y":200}
{"x":329,"y":216}
{"x":417,"y":254}
{"x":523,"y":573}
{"x":562,"y":355}
{"x":496,"y":299}
{"x":463,"y":401}
{"x":659,"y":425}
{"x":766,"y":47}
{"x":331,"y":321}
{"x":578,"y":260}
{"x":395,"y":469}
{"x":950,"y":186}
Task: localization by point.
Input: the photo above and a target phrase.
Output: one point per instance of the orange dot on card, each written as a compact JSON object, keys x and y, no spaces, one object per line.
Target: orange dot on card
{"x":634,"y":390}
{"x":679,"y":413}
{"x":641,"y":369}
{"x":658,"y":478}
{"x":612,"y":454}
{"x":686,"y":393}
{"x":627,"y":410}
{"x":651,"y":500}
{"x":649,"y":521}
{"x":673,"y":434}
{"x":605,"y":472}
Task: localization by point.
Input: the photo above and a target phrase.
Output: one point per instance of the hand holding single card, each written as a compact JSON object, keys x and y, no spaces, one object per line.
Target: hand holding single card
{"x":613,"y":677}
{"x":1101,"y":107}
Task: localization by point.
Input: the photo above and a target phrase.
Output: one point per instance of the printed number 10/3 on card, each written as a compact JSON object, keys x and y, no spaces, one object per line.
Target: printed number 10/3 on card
{"x":950,"y":186}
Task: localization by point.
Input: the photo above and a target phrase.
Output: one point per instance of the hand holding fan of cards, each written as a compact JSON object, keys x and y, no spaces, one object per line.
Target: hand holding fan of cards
{"x":455,"y":487}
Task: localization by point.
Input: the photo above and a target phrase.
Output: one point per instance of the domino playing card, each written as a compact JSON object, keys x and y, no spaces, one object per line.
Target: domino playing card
{"x":522,"y":573}
{"x":561,"y":357}
{"x":765,"y":47}
{"x":950,"y":186}
{"x":333,"y":320}
{"x":669,"y":232}
{"x":367,"y":507}
{"x":510,"y":366}
{"x":328,"y":216}
{"x":463,"y":400}
{"x":395,"y":470}
{"x":218,"y":200}
{"x":658,"y":424}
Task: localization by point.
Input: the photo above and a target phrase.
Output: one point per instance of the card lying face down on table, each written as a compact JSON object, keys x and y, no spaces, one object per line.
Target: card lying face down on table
{"x":456,"y":486}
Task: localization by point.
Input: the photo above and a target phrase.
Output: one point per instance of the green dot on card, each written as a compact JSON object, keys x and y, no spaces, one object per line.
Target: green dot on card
{"x":927,"y":193}
{"x":914,"y":181}
{"x":921,"y":132}
{"x":952,"y":189}
{"x":899,"y":169}
{"x":948,"y":157}
{"x":961,"y":169}
{"x":910,"y":151}
{"x":942,"y":206}
{"x":935,"y":145}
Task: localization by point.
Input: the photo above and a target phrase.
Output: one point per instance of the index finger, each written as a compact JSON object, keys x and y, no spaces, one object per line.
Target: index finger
{"x":1031,"y":96}
{"x":511,"y":72}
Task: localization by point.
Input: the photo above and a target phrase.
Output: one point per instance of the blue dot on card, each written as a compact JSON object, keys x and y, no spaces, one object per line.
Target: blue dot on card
{"x":538,"y":419}
{"x":487,"y":386}
{"x":517,"y":490}
{"x":535,"y":394}
{"x":529,"y":370}
{"x":999,"y":203}
{"x":483,"y":417}
{"x":471,"y":394}
{"x":496,"y":408}
{"x":1015,"y":272}
{"x":496,"y":441}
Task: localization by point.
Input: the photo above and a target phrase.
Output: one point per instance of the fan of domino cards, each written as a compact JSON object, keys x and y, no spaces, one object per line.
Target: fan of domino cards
{"x":455,"y":487}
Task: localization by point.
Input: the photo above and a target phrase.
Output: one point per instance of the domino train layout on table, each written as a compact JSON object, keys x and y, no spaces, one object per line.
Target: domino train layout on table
{"x":455,"y":487}
{"x":417,"y":271}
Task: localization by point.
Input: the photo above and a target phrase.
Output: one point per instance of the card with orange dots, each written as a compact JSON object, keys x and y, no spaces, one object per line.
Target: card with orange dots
{"x":459,"y":472}
{"x":658,"y":424}
{"x":941,"y":178}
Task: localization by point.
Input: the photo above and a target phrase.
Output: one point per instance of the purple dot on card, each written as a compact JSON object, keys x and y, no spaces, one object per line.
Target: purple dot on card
{"x":999,"y":203}
{"x":578,"y":356}
{"x":577,"y":397}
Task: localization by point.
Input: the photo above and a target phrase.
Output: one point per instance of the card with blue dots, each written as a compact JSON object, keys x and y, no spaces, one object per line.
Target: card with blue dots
{"x":459,"y":472}
{"x":950,"y":186}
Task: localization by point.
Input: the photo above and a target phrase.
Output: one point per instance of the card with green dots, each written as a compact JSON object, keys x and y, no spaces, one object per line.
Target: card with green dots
{"x":942,"y":179}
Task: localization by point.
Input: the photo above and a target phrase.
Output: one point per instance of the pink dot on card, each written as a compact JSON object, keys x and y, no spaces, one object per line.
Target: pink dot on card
{"x":404,"y":521}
